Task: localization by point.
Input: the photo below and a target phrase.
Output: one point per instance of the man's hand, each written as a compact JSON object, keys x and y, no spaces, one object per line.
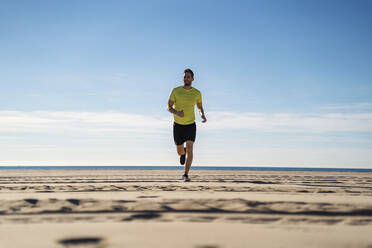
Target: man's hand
{"x":180,"y":113}
{"x":203,"y":118}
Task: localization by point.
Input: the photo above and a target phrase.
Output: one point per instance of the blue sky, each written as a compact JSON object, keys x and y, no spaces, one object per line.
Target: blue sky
{"x":284,"y":83}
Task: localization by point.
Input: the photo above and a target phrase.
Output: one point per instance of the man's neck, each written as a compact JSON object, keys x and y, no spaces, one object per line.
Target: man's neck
{"x":187,"y":87}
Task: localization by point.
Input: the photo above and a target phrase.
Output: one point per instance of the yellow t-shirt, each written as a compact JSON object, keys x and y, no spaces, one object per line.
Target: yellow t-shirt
{"x":185,"y":100}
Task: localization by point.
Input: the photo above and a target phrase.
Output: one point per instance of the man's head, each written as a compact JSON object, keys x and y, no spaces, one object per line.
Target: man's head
{"x":188,"y":77}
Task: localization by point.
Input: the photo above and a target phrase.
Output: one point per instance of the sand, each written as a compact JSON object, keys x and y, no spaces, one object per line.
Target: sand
{"x":155,"y":208}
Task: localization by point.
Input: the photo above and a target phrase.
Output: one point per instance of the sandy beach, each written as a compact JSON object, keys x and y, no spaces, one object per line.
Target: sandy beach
{"x":155,"y":208}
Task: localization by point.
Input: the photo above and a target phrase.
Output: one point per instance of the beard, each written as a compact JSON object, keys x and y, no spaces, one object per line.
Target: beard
{"x":187,"y":83}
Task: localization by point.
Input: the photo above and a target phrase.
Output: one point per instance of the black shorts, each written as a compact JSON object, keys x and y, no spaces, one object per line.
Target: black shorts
{"x":181,"y":133}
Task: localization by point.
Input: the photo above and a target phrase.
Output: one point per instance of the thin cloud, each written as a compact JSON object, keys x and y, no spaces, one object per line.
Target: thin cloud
{"x":351,"y":106}
{"x":114,"y":122}
{"x":81,"y":122}
{"x":117,"y":138}
{"x":291,"y":122}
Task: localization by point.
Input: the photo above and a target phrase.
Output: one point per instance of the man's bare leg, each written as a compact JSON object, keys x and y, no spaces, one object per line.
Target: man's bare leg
{"x":180,"y":149}
{"x":189,"y":155}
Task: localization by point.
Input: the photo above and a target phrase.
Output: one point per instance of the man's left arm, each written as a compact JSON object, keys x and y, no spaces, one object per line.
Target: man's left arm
{"x":201,"y":111}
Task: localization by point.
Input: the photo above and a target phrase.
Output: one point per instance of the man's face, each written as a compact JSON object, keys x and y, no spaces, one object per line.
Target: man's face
{"x":187,"y":78}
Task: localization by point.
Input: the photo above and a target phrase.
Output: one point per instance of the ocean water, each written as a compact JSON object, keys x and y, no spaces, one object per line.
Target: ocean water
{"x":258,"y":168}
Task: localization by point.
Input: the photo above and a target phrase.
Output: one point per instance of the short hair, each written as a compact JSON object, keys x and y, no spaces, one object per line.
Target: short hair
{"x":189,"y":71}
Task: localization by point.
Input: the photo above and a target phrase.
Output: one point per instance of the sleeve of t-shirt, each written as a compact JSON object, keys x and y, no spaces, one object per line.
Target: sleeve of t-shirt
{"x":172,"y":95}
{"x":199,"y":98}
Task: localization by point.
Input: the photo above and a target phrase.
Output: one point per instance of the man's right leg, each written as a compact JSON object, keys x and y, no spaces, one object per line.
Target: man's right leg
{"x":181,"y":152}
{"x":177,"y":137}
{"x":180,"y":149}
{"x":179,"y":142}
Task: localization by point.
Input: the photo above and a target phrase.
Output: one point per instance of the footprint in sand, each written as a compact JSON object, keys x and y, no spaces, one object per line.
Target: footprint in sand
{"x":85,"y":242}
{"x":207,"y":246}
{"x":74,"y":201}
{"x":31,"y":201}
{"x":142,"y":216}
{"x":148,"y":196}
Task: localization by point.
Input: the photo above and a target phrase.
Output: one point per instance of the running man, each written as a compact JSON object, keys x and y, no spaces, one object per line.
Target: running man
{"x":184,"y":127}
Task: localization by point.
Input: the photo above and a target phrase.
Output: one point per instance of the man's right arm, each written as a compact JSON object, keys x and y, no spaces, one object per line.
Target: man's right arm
{"x":170,"y":107}
{"x":172,"y":110}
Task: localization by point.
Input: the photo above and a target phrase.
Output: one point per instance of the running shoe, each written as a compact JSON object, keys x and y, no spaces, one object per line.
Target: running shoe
{"x":185,"y":178}
{"x":183,"y":157}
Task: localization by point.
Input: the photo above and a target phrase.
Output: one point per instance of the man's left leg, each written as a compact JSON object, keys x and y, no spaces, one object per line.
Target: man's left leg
{"x":189,"y":155}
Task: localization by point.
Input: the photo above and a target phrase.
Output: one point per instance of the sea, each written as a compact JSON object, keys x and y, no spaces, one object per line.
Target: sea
{"x":236,"y":168}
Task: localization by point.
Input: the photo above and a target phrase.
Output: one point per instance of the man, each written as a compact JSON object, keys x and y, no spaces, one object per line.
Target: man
{"x":184,"y":127}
